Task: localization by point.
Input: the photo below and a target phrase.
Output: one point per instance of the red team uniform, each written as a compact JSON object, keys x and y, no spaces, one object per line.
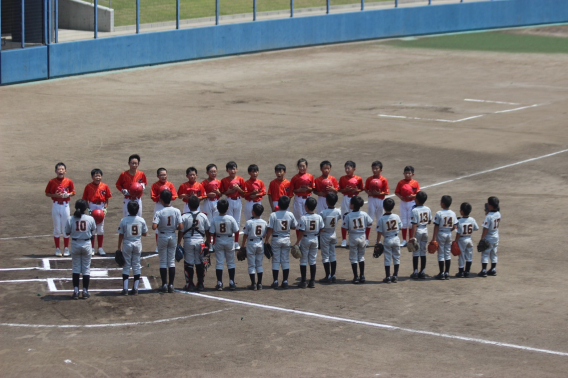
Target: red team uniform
{"x":195,"y":189}
{"x":124,"y":181}
{"x":250,"y":186}
{"x":97,"y":196}
{"x":406,"y":204}
{"x":344,"y":182}
{"x":210,"y":203}
{"x":60,"y":208}
{"x":376,"y":201}
{"x":298,"y":181}
{"x":277,"y":189}
{"x":320,"y":187}
{"x":235,"y":205}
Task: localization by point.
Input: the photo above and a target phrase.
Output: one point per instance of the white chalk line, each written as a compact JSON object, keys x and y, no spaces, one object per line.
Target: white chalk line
{"x":111,"y":324}
{"x":25,"y":237}
{"x":521,"y":108}
{"x":379,"y":325}
{"x":431,"y":119}
{"x":492,"y":102}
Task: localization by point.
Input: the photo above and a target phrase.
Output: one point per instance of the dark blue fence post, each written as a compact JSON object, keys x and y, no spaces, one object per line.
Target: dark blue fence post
{"x":96,"y":19}
{"x":254,"y":10}
{"x":291,"y":8}
{"x":396,"y":3}
{"x":429,"y":2}
{"x":216,"y":12}
{"x":56,"y":22}
{"x":45,"y":22}
{"x":137,"y":16}
{"x":177,"y":14}
{"x":23,"y":26}
{"x":327,"y":7}
{"x":362,"y":4}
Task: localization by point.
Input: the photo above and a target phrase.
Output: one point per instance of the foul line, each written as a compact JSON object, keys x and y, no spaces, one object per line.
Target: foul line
{"x":109,"y":324}
{"x":512,"y":110}
{"x":493,"y":102}
{"x":379,"y":325}
{"x":26,"y":237}
{"x":431,"y":119}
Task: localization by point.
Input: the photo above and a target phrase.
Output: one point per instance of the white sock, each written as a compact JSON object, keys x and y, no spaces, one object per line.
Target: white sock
{"x":136,"y":282}
{"x":125,"y":284}
{"x":76,"y":289}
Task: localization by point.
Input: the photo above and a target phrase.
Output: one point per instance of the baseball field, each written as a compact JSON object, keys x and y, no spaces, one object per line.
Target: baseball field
{"x":477,"y":115}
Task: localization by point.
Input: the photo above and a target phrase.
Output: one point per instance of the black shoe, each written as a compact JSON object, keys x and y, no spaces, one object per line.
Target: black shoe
{"x":170,"y":288}
{"x":333,"y":279}
{"x":325,"y":280}
{"x":440,"y":276}
{"x":447,"y":275}
{"x":86,"y":294}
{"x":466,"y":274}
{"x":200,"y":287}
{"x":355,"y":280}
{"x":75,"y":295}
{"x":274,"y":285}
{"x":394,"y":279}
{"x":492,"y":272}
{"x":258,"y":286}
{"x":284,"y":285}
{"x":134,"y":292}
{"x":312,"y":284}
{"x":163,"y":289}
{"x":232,"y":286}
{"x":303,"y":285}
{"x":422,"y":275}
{"x":252,"y":287}
{"x":482,"y":274}
{"x":362,"y":279}
{"x":387,"y":280}
{"x":219,"y":286}
{"x":460,"y":274}
{"x":124,"y":292}
{"x":414,"y":275}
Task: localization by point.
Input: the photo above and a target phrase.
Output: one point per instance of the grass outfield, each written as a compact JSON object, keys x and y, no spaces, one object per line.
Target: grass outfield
{"x":491,"y":41}
{"x":165,"y":10}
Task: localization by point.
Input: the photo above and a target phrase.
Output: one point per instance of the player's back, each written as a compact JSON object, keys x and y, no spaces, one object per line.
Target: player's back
{"x":389,"y":225}
{"x":491,"y":223}
{"x":132,"y":227}
{"x":330,"y":219}
{"x":80,"y":228}
{"x":167,"y":219}
{"x":421,"y":215}
{"x":446,"y":220}
{"x":255,"y":228}
{"x":197,"y":222}
{"x":281,"y":222}
{"x":224,"y":225}
{"x":357,"y":222}
{"x":311,"y":224}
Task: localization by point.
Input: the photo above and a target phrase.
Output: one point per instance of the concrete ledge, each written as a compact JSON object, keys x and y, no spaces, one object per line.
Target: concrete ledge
{"x":79,"y":15}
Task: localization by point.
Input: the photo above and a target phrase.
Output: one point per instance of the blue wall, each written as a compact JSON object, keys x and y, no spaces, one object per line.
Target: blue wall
{"x":79,"y":57}
{"x":23,"y":65}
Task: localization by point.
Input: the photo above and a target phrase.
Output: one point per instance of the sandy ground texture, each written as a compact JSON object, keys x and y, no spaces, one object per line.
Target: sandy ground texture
{"x":551,"y":31}
{"x":318,"y":103}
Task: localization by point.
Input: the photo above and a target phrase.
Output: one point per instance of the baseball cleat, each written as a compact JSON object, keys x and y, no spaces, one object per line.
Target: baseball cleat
{"x":422,"y":275}
{"x":200,"y":287}
{"x":237,"y":246}
{"x":333,"y":279}
{"x":483,"y":273}
{"x":492,"y":272}
{"x":93,"y":252}
{"x":102,"y":252}
{"x":252,"y":287}
{"x":440,"y":276}
{"x":171,"y":288}
{"x":58,"y":252}
{"x":156,"y":249}
{"x":258,"y":286}
{"x":394,"y":279}
{"x":404,"y":244}
{"x":163,"y":288}
{"x":447,"y":275}
{"x":344,"y":244}
{"x":124,"y":292}
{"x":303,"y":285}
{"x":325,"y":280}
{"x":362,"y":279}
{"x":232,"y":286}
{"x":460,"y":274}
{"x":274,"y":285}
{"x":75,"y":295}
{"x":191,"y":287}
{"x":86,"y":294}
{"x":134,"y":292}
{"x":414,"y":275}
{"x":466,"y":274}
{"x":366,"y":243}
{"x":355,"y":280}
{"x":284,"y":285}
{"x":312,"y":284}
{"x":387,"y":280}
{"x":219,"y":286}
{"x":66,"y":252}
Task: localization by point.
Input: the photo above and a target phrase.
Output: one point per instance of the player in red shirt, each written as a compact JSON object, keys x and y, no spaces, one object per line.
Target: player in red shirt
{"x":376,"y":187}
{"x":97,"y":195}
{"x":278,"y":187}
{"x":350,"y":185}
{"x":232,"y":187}
{"x":301,"y":186}
{"x":191,"y":188}
{"x":126,"y":179}
{"x":211,"y":186}
{"x":157,"y":188}
{"x":60,"y":189}
{"x":254,"y":190}
{"x":406,"y":190}
{"x":324,"y":184}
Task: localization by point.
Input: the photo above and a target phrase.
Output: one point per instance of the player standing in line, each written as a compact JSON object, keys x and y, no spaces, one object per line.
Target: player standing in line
{"x":301,"y":186}
{"x":167,"y":221}
{"x":445,"y":221}
{"x":388,"y":226}
{"x":421,"y":216}
{"x":350,"y":185}
{"x":310,"y":226}
{"x":254,"y":191}
{"x":157,"y":188}
{"x":466,"y":226}
{"x":97,"y":195}
{"x":255,"y":230}
{"x":323,"y":185}
{"x":357,"y":222}
{"x":125,"y":181}
{"x":224,"y":226}
{"x":130,"y":232}
{"x":406,"y":190}
{"x":278,"y":187}
{"x":81,"y":228}
{"x":59,"y":189}
{"x":328,"y":238}
{"x":211,"y":186}
{"x":232,"y":187}
{"x":191,"y":188}
{"x":195,"y":234}
{"x":376,"y":188}
{"x":491,"y":235}
{"x":279,"y":225}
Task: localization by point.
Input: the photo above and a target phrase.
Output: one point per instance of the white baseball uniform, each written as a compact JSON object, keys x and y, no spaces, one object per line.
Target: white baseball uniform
{"x":421,"y":216}
{"x":491,"y":223}
{"x":389,"y":226}
{"x":81,"y":230}
{"x":167,"y":220}
{"x":255,"y":230}
{"x":223,"y":227}
{"x":281,"y":222}
{"x":356,"y":222}
{"x":466,"y":227}
{"x":132,"y":227}
{"x":311,"y":224}
{"x":195,"y":224}
{"x":328,"y":238}
{"x":446,"y":221}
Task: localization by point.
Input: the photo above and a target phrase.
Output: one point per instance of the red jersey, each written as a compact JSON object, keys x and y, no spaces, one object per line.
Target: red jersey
{"x":250,"y":186}
{"x":125,"y":180}
{"x":97,"y":194}
{"x":302,"y":180}
{"x":344,"y":183}
{"x":57,"y":185}
{"x":278,"y":188}
{"x":208,"y":184}
{"x":413,"y":184}
{"x":384,"y":185}
{"x":227,"y":183}
{"x":155,"y":193}
{"x":195,"y":189}
{"x":320,"y":187}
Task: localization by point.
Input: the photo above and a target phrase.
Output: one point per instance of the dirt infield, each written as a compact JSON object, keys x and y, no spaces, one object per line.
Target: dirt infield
{"x":358,"y":102}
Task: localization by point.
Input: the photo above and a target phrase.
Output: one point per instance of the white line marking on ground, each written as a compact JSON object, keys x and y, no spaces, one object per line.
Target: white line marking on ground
{"x":513,"y":110}
{"x":493,"y":102}
{"x":26,"y":237}
{"x":28,"y":280}
{"x":379,"y":325}
{"x":465,"y":119}
{"x":109,"y":324}
{"x":431,"y":119}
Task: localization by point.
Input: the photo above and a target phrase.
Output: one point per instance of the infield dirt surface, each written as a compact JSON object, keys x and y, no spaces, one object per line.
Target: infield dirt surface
{"x":318,"y":103}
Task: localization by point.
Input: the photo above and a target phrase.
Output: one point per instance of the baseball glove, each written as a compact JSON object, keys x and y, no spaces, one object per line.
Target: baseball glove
{"x":455,"y":249}
{"x":482,"y":245}
{"x":180,"y":253}
{"x":204,"y":250}
{"x":242,"y":254}
{"x":433,"y":246}
{"x":413,"y":245}
{"x":378,"y":251}
{"x":268,"y":250}
{"x":119,"y":258}
{"x":295,"y":251}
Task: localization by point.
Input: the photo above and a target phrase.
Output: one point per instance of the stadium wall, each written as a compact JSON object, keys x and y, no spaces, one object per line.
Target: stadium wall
{"x":73,"y":58}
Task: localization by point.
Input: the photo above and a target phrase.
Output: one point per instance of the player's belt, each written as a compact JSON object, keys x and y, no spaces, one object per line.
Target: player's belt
{"x":228,"y":236}
{"x":167,"y":232}
{"x":75,"y":239}
{"x":61,"y":202}
{"x":257,"y":239}
{"x":234,"y":198}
